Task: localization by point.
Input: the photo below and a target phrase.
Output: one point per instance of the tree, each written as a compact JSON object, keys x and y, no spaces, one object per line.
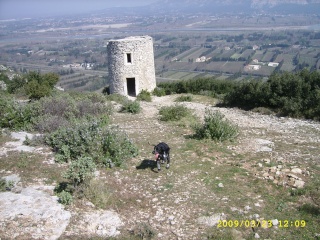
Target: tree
{"x":39,"y":85}
{"x":16,"y":83}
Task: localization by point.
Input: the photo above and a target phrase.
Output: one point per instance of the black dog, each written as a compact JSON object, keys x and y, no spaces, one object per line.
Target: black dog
{"x":162,"y":154}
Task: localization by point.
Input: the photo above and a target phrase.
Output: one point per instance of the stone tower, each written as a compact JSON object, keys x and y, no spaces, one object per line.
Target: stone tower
{"x":131,"y":65}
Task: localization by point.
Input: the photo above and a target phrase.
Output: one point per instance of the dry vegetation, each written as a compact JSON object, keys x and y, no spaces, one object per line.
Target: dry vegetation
{"x":246,"y":179}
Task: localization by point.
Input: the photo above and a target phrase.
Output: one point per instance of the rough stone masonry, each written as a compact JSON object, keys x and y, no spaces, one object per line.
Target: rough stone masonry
{"x":131,"y":65}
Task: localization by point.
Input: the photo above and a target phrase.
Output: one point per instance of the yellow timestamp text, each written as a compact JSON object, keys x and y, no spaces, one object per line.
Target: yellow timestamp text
{"x":261,"y":223}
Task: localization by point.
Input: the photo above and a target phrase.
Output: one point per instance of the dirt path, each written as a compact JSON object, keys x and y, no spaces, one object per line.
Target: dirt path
{"x":249,"y":178}
{"x":182,"y":203}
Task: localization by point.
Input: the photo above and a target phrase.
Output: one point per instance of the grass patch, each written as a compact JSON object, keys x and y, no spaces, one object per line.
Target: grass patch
{"x":98,"y":193}
{"x":144,"y":96}
{"x":173,"y":113}
{"x":184,"y":98}
{"x":31,"y":166}
{"x":131,"y":107}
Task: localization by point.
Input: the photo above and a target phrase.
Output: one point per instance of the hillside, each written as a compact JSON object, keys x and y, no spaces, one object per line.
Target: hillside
{"x":267,"y":175}
{"x":219,"y":6}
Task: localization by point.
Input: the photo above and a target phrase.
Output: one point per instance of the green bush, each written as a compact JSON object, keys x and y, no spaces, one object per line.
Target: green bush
{"x":3,"y":185}
{"x":173,"y":113}
{"x":6,"y":185}
{"x":17,"y":83}
{"x":159,"y":92}
{"x":198,"y":85}
{"x":65,"y":198}
{"x":40,"y":85}
{"x":121,"y":99}
{"x":76,"y":140}
{"x":91,"y":139}
{"x":215,"y":127}
{"x":63,"y":109}
{"x":144,"y":96}
{"x":80,"y":170}
{"x":117,"y":147}
{"x":184,"y":98}
{"x":15,"y":115}
{"x":289,"y":94}
{"x":131,"y":107}
{"x":143,"y":231}
{"x":50,"y":113}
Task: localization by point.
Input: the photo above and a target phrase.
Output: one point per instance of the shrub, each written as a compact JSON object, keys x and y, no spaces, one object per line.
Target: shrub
{"x":121,"y":99}
{"x":173,"y":113}
{"x":38,"y":86}
{"x":48,"y":123}
{"x":215,"y":127}
{"x":50,"y":113}
{"x":3,"y":184}
{"x":16,"y":115}
{"x":144,"y":96}
{"x":62,"y":109}
{"x":131,"y":107}
{"x":159,"y":92}
{"x":80,"y":170}
{"x":143,"y":231}
{"x":6,"y":185}
{"x":183,"y":98}
{"x":290,"y":94}
{"x":76,"y":140}
{"x":117,"y":147}
{"x":195,"y":86}
{"x":65,"y":198}
{"x":17,"y":82}
{"x":94,"y":139}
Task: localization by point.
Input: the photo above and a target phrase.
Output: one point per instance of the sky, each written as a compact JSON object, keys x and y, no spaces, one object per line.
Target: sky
{"x":17,"y":9}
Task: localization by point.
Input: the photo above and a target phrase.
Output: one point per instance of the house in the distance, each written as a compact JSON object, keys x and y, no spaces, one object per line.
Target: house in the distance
{"x":273,"y":64}
{"x":255,"y":47}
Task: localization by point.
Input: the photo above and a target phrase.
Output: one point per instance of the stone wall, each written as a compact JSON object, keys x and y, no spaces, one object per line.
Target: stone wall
{"x":131,"y":65}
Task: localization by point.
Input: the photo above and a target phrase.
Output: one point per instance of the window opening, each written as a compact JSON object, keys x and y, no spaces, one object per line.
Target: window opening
{"x":129,"y":59}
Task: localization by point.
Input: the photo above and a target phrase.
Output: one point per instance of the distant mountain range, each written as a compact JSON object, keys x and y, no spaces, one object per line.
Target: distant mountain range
{"x":228,"y":6}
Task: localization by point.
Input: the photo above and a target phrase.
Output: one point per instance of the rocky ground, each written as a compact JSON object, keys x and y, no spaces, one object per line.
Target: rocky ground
{"x":207,"y":181}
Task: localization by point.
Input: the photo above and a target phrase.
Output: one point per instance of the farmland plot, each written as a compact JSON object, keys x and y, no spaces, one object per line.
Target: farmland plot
{"x":179,"y":75}
{"x":184,"y":56}
{"x":267,"y":56}
{"x":266,"y":70}
{"x":287,"y":61}
{"x":258,"y":55}
{"x":215,"y":53}
{"x":185,"y":66}
{"x":228,"y":67}
{"x":311,"y":61}
{"x":198,"y":53}
{"x":227,"y":53}
{"x":161,"y":54}
{"x":311,"y":52}
{"x":235,"y":56}
{"x":247,"y":53}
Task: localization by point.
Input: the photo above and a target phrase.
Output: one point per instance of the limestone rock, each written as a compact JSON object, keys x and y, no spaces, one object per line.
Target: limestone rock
{"x":30,"y":209}
{"x":211,"y":220}
{"x":298,"y":184}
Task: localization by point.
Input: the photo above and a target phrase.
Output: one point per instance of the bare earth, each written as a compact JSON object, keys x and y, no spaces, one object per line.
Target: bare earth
{"x":206,"y":182}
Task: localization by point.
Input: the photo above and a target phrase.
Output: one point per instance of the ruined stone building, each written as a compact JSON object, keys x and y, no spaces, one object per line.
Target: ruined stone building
{"x":131,"y":65}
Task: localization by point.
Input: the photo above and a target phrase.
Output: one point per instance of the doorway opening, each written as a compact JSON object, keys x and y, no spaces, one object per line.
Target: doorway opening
{"x":131,"y":87}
